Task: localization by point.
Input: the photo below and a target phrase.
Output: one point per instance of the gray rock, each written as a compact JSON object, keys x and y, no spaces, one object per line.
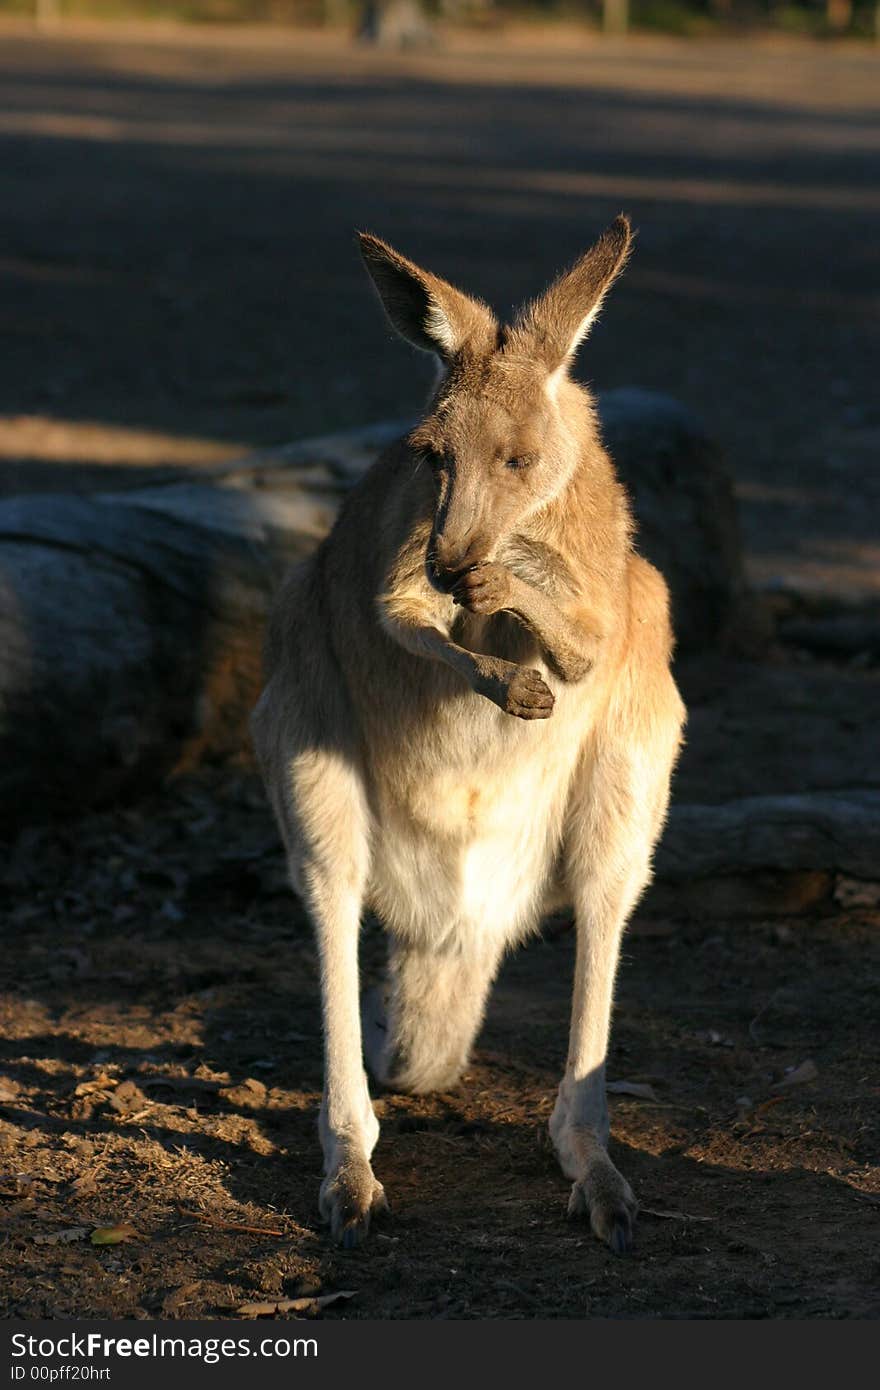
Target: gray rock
{"x":686,"y":511}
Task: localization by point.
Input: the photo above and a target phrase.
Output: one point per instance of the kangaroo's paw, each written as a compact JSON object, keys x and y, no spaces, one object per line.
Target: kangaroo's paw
{"x":606,"y":1197}
{"x":527,"y":696}
{"x":350,"y":1196}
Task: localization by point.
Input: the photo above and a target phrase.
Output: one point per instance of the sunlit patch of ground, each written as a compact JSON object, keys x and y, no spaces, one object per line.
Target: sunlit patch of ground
{"x":160,"y":1068}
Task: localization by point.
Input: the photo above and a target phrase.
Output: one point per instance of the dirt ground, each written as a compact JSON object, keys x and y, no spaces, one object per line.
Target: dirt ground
{"x":178,"y":284}
{"x":160,"y":1067}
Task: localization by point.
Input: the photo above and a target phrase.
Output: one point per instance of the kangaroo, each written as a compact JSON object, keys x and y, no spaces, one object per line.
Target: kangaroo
{"x":469,"y":720}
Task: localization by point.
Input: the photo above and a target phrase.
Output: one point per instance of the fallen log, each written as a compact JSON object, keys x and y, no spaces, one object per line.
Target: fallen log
{"x":131,"y":623}
{"x":836,"y":832}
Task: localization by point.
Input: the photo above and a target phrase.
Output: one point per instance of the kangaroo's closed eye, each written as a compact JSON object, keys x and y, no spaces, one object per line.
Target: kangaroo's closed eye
{"x":518,"y":462}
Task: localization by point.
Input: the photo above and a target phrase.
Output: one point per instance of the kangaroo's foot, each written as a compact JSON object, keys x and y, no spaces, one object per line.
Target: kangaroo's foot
{"x":422,"y":1071}
{"x":350,"y":1196}
{"x":599,"y":1190}
{"x":606,"y":1197}
{"x":418,"y":1027}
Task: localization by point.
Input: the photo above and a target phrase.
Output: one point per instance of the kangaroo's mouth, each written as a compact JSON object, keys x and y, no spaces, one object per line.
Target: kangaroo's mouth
{"x":444,"y":580}
{"x":441,"y":580}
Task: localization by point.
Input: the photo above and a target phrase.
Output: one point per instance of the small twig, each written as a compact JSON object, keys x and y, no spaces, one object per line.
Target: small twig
{"x":753,"y":1026}
{"x":219,"y":1225}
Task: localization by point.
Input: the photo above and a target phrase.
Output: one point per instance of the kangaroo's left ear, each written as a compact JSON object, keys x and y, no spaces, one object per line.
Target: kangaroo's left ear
{"x":553,"y":326}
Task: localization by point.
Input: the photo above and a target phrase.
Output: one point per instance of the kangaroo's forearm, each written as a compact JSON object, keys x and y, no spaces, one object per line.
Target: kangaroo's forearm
{"x":512,"y":688}
{"x":418,"y":633}
{"x":569,"y":646}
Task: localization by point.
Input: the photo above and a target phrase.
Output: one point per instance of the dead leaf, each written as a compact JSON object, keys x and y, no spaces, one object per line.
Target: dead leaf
{"x":767,"y":1104}
{"x":293,"y":1305}
{"x":798,"y":1076}
{"x":99,"y":1083}
{"x":174,"y":1301}
{"x":640,"y":1089}
{"x":854,"y":892}
{"x":673,"y":1215}
{"x":9,"y":1090}
{"x":63,"y":1237}
{"x":112,"y":1235}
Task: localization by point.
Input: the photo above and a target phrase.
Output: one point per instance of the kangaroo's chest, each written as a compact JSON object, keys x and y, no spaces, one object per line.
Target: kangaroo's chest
{"x":468,"y":827}
{"x":470,"y":771}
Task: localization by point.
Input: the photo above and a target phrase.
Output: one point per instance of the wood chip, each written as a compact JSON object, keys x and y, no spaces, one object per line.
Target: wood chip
{"x":640,"y":1089}
{"x":293,"y":1305}
{"x":798,"y":1076}
{"x":673,"y":1215}
{"x":66,"y":1237}
{"x":99,"y":1083}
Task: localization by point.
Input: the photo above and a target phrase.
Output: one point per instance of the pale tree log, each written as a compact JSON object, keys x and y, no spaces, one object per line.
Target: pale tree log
{"x":832,"y":832}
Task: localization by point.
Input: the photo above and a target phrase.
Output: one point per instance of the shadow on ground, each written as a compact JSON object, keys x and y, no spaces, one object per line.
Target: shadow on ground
{"x":179,"y":255}
{"x":160,"y":1065}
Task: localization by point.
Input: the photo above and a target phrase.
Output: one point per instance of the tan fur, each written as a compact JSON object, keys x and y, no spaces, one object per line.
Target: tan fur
{"x":469,"y":718}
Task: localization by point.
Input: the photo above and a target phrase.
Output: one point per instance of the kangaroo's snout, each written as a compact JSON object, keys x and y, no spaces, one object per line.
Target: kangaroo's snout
{"x":447,"y":561}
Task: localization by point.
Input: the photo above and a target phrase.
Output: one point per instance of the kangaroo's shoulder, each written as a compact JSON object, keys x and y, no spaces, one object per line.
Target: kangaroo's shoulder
{"x":650,"y":617}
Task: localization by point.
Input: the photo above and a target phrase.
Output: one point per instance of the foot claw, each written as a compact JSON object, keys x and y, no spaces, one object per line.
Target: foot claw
{"x":349,"y":1198}
{"x":606,"y":1197}
{"x":620,"y":1237}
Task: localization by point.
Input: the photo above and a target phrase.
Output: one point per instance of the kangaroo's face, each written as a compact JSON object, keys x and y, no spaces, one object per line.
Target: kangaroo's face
{"x":496,"y":450}
{"x":495,"y":438}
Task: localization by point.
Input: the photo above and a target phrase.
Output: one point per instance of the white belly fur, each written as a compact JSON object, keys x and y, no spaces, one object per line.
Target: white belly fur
{"x":463,"y":847}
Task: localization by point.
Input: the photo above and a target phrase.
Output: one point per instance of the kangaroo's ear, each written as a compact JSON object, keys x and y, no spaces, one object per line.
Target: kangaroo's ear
{"x":554,"y":325}
{"x":423,"y":308}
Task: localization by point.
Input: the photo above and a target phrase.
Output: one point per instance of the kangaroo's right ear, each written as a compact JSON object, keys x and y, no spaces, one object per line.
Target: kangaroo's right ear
{"x":423,"y":308}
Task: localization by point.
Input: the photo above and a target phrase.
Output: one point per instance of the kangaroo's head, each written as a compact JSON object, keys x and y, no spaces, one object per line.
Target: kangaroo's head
{"x":501,"y":435}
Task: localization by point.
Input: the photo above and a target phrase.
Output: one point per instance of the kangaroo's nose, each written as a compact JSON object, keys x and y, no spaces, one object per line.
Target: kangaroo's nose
{"x":451,"y":561}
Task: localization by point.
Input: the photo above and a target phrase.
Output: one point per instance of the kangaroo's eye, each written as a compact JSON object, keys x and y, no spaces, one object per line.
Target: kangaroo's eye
{"x":518,"y":463}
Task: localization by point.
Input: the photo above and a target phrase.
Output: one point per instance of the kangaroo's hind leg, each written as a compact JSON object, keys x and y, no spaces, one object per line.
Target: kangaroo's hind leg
{"x":319,"y":798}
{"x":419,"y":1027}
{"x":617,"y":811}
